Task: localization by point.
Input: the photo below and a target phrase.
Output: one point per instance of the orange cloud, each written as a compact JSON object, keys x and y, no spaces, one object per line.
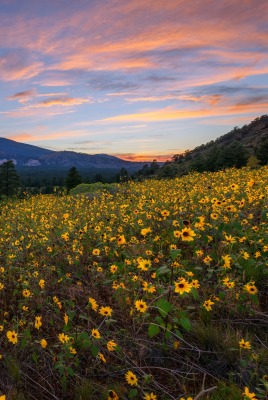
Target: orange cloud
{"x":145,"y":157}
{"x":22,"y":137}
{"x":169,"y":114}
{"x":62,"y":101}
{"x":42,"y":135}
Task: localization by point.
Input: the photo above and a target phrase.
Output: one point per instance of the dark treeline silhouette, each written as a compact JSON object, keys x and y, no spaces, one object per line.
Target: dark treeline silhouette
{"x":240,"y":147}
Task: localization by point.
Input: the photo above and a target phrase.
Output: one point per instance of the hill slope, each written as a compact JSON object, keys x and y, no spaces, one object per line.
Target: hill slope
{"x":10,"y":149}
{"x":230,"y":150}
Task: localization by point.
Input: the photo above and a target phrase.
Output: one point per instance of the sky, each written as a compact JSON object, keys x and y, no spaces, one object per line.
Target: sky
{"x":138,"y":79}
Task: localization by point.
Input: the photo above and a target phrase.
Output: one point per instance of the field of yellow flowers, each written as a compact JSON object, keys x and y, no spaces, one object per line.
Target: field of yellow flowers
{"x":158,"y":291}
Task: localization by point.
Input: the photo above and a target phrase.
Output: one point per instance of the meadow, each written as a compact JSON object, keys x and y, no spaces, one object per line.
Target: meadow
{"x":158,"y":291}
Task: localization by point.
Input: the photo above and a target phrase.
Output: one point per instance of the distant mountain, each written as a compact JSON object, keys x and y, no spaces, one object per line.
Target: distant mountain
{"x":20,"y":152}
{"x":26,"y":155}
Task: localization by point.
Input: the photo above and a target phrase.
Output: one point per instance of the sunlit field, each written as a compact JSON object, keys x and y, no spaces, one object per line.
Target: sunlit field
{"x":158,"y":291}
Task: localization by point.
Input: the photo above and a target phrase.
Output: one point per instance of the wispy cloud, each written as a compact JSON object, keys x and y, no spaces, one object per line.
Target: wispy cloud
{"x":135,"y":62}
{"x":23,"y":97}
{"x":19,"y":65}
{"x":62,"y":101}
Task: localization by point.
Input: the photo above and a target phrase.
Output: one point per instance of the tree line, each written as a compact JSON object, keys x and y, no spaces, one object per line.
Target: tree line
{"x":13,"y":184}
{"x":216,"y":158}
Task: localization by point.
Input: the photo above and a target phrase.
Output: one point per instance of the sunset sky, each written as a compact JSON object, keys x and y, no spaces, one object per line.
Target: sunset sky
{"x":139,"y":79}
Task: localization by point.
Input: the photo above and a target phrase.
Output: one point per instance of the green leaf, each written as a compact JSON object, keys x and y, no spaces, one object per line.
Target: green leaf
{"x":254,"y":298}
{"x":35,"y":357}
{"x":159,"y":321}
{"x":194,"y":293}
{"x":179,"y":334}
{"x":153,"y":330}
{"x":94,"y":350}
{"x":185,"y":322}
{"x":85,"y":317}
{"x":167,"y":334}
{"x":164,"y":306}
{"x":163,"y":271}
{"x":84,"y":336}
{"x":61,"y":368}
{"x":84,"y":340}
{"x":27,"y":334}
{"x":175,"y":253}
{"x":23,"y":343}
{"x":71,"y":314}
{"x":132,"y":393}
{"x":70,"y":371}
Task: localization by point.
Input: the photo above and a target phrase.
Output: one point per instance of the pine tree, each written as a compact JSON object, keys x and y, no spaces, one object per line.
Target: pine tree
{"x":9,"y":179}
{"x":262,"y":153}
{"x":73,"y":179}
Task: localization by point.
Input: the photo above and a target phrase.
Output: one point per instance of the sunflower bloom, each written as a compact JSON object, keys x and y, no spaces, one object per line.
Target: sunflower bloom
{"x":251,"y":288}
{"x":101,"y":357}
{"x":113,"y":268}
{"x":121,"y":240}
{"x":12,"y":337}
{"x":187,"y":235}
{"x":249,"y":396}
{"x":141,"y":306}
{"x":111,"y":345}
{"x":112,"y":395}
{"x":207,"y":304}
{"x":43,"y":343}
{"x":96,"y":334}
{"x":41,"y":283}
{"x":63,"y":338}
{"x":244,"y":345}
{"x":182,"y":286}
{"x":38,"y":322}
{"x":96,"y":252}
{"x":66,"y":319}
{"x":26,"y":293}
{"x":150,"y":396}
{"x":93,"y":303}
{"x":106,"y":311}
{"x":144,"y":231}
{"x":131,"y":378}
{"x":72,"y":350}
{"x":227,"y":261}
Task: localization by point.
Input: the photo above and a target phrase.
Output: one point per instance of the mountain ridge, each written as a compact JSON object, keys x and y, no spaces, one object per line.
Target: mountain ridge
{"x":26,"y":155}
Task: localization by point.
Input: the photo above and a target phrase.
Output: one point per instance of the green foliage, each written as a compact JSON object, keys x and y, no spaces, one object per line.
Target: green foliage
{"x":262,"y":153}
{"x":91,"y":188}
{"x":73,"y":179}
{"x":226,"y":391}
{"x":9,"y":179}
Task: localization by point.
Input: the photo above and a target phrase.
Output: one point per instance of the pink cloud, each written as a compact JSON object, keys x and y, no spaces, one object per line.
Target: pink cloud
{"x":23,"y":97}
{"x":138,"y":29}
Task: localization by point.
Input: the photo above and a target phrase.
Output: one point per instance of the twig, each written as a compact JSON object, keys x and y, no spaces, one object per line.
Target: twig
{"x":203,"y":390}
